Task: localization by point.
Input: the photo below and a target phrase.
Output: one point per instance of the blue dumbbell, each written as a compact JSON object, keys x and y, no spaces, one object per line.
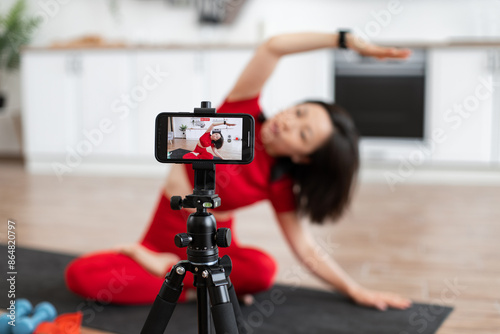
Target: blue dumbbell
{"x":43,"y":312}
{"x":22,"y":308}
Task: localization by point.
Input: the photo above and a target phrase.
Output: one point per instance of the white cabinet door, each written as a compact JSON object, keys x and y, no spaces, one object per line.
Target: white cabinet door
{"x":174,"y":80}
{"x":49,"y":103}
{"x":106,"y":94}
{"x":460,"y":105}
{"x":296,"y":78}
{"x":300,"y":77}
{"x":495,"y":64}
{"x":222,"y":69}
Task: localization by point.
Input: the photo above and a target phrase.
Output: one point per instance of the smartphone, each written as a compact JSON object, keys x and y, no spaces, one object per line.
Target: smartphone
{"x":183,"y":137}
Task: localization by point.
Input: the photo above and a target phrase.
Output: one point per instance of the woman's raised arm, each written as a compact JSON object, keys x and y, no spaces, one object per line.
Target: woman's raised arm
{"x":267,"y":55}
{"x":213,"y":125}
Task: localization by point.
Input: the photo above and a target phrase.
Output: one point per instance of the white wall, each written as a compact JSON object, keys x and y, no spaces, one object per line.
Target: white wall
{"x":177,"y":122}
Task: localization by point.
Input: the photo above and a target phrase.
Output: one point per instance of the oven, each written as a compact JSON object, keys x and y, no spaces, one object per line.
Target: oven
{"x":384,"y":97}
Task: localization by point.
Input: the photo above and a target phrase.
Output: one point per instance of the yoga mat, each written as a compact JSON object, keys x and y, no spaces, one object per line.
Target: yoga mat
{"x":179,"y":153}
{"x":281,"y":310}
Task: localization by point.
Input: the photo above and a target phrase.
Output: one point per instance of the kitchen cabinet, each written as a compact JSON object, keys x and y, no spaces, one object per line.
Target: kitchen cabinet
{"x":495,"y":65}
{"x":66,"y":97}
{"x":460,"y":102}
{"x":50,"y":103}
{"x":300,"y":77}
{"x":68,"y":94}
{"x":222,"y":68}
{"x":103,"y":78}
{"x":178,"y":87}
{"x":296,"y":78}
{"x":194,"y":134}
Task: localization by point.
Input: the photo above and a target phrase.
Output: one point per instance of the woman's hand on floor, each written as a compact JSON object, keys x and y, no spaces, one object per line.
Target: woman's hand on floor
{"x":379,"y":299}
{"x":366,"y":48}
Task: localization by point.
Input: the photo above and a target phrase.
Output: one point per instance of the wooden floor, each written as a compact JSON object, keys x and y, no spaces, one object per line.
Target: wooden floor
{"x":436,"y":244}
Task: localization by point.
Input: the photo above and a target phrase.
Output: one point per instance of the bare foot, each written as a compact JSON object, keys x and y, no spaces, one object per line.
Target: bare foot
{"x":156,"y":263}
{"x":247,"y":300}
{"x":126,"y":249}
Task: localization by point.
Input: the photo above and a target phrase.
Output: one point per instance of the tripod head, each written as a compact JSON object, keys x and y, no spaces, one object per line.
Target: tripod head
{"x":203,"y":196}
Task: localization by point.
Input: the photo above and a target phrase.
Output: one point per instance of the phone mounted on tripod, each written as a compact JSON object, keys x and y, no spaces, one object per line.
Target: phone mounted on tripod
{"x":216,"y":298}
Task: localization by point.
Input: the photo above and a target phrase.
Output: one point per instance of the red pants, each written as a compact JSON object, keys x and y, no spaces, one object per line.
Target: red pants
{"x":111,"y":277}
{"x":202,"y":154}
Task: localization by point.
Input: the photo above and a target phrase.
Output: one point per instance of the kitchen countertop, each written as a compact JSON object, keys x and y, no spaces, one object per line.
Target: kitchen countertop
{"x":493,"y":42}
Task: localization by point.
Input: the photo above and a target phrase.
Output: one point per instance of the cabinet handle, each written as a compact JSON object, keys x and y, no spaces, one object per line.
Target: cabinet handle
{"x":198,"y":62}
{"x":493,"y":61}
{"x":496,"y":54}
{"x":74,"y":64}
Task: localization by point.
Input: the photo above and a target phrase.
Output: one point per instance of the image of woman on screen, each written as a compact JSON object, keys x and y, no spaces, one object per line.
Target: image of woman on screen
{"x":214,"y":141}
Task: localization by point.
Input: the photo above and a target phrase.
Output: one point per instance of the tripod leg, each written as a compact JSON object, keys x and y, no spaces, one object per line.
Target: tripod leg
{"x":165,"y":302}
{"x":204,"y":323}
{"x":222,"y":309}
{"x":227,"y":264}
{"x":236,"y":305}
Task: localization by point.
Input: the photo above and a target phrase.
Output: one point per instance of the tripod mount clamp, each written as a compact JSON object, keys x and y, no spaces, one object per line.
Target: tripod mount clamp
{"x":203,"y":196}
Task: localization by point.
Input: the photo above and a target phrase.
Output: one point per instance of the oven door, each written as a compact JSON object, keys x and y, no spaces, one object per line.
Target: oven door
{"x":385,"y":99}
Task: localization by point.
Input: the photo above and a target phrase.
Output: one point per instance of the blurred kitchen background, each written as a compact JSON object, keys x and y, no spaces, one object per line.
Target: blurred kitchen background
{"x":96,"y":73}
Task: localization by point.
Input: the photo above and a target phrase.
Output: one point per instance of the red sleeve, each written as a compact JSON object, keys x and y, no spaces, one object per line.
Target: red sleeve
{"x":282,"y":196}
{"x":250,"y":106}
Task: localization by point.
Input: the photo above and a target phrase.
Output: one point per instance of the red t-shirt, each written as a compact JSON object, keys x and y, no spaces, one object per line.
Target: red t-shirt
{"x":242,"y":185}
{"x":205,"y":140}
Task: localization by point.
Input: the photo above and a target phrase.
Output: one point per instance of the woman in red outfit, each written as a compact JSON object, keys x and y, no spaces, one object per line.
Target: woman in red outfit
{"x":306,"y":160}
{"x":214,"y":140}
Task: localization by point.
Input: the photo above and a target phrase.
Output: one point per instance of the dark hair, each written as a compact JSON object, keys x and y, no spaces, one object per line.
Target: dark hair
{"x":218,"y":143}
{"x":324,"y":186}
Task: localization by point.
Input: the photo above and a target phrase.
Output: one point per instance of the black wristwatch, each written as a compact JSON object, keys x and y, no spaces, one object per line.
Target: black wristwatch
{"x":224,"y":122}
{"x":342,"y":39}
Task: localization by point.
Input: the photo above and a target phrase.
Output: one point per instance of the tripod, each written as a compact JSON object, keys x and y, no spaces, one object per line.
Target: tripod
{"x":211,"y":273}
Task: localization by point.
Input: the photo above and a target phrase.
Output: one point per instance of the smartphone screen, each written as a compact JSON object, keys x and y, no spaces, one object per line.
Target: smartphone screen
{"x":189,"y":137}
